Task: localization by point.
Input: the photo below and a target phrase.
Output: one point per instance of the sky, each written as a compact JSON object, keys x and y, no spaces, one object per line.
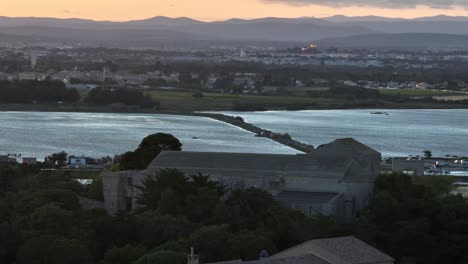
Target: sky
{"x":210,"y":10}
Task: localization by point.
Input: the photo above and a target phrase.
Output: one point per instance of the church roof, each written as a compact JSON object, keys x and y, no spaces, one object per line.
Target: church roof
{"x":280,"y":164}
{"x":349,"y":250}
{"x":336,"y":160}
{"x":341,"y":250}
{"x":347,"y":145}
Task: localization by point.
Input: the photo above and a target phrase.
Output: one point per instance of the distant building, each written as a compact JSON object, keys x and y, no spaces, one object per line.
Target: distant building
{"x":27,"y":76}
{"x":33,"y":57}
{"x":6,"y":159}
{"x":335,"y":179}
{"x":413,"y":167}
{"x":29,"y":161}
{"x":78,"y":161}
{"x":341,"y":250}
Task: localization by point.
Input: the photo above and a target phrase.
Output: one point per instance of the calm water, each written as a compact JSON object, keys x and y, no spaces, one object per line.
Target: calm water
{"x":39,"y":134}
{"x":402,"y":132}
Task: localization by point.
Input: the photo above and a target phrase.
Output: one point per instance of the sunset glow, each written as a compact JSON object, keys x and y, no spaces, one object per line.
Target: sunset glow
{"x":208,"y":10}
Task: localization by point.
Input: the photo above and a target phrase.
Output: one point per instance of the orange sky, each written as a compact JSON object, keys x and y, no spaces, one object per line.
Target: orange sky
{"x":121,"y":10}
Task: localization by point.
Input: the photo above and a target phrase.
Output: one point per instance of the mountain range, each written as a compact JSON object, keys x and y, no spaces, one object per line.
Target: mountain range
{"x":336,"y":30}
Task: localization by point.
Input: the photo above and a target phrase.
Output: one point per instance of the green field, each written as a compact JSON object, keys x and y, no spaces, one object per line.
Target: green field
{"x":183,"y":101}
{"x":411,"y":92}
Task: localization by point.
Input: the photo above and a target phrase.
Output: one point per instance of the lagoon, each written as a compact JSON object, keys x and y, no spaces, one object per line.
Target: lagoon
{"x":400,"y":133}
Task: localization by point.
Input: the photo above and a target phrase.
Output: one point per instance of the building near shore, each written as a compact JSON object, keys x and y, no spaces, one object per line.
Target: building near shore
{"x":335,"y":179}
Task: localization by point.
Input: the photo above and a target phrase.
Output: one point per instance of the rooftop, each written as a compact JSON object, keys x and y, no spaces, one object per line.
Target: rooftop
{"x":346,"y":250}
{"x":340,"y":250}
{"x":336,"y":160}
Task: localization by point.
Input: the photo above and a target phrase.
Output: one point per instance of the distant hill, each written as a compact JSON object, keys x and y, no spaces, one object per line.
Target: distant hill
{"x":165,"y":21}
{"x":296,"y":31}
{"x":268,"y":29}
{"x":400,"y":41}
{"x":341,"y":18}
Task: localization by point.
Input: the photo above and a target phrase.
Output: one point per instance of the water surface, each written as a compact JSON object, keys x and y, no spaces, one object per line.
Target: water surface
{"x":38,"y":134}
{"x":400,"y":133}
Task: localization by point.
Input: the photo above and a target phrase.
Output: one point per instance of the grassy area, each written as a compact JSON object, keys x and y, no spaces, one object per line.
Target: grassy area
{"x":183,"y":101}
{"x":411,"y":92}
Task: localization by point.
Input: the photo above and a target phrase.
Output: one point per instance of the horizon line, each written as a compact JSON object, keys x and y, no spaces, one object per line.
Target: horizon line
{"x":223,"y":20}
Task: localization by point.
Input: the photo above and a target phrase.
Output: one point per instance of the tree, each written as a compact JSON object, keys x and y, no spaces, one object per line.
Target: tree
{"x":154,"y":186}
{"x":161,"y":141}
{"x":52,"y":219}
{"x":211,"y":243}
{"x":7,"y":175}
{"x":163,"y":257}
{"x":58,"y":159}
{"x":68,"y":251}
{"x":123,"y":255}
{"x":53,"y":250}
{"x":247,"y":246}
{"x":416,"y":220}
{"x":71,"y":96}
{"x":148,"y":150}
{"x":107,"y":96}
{"x":95,"y":191}
{"x":427,"y":154}
{"x":198,"y":95}
{"x":154,"y":229}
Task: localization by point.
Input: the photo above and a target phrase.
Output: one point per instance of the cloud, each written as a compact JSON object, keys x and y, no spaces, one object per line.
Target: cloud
{"x":438,"y":4}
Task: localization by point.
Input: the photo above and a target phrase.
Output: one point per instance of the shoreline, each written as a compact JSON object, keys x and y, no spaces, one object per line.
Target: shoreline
{"x":137,"y":110}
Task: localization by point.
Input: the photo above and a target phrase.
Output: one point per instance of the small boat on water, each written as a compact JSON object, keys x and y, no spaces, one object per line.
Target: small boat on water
{"x":379,"y":113}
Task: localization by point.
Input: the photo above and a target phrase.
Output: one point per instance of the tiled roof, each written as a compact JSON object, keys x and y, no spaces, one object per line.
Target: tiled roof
{"x":349,"y":250}
{"x":306,"y":259}
{"x":287,"y":164}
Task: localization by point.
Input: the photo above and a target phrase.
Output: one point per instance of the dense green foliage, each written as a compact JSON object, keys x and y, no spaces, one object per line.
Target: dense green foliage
{"x":417,"y":220}
{"x":57,"y":159}
{"x":27,"y":92}
{"x":414,"y":219}
{"x":107,"y":96}
{"x":41,"y":221}
{"x":149,"y":149}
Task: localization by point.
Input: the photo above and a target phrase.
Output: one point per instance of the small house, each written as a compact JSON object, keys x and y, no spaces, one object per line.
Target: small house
{"x":78,"y":161}
{"x":29,"y":161}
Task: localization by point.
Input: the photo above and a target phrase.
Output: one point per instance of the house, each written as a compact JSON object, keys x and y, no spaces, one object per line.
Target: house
{"x":340,"y":250}
{"x":77,"y":161}
{"x":335,"y":179}
{"x":6,"y":159}
{"x":30,"y":161}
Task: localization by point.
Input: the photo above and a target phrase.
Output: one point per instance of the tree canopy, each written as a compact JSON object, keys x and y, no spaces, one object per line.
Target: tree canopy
{"x":32,"y":91}
{"x":413,"y":219}
{"x":149,"y":149}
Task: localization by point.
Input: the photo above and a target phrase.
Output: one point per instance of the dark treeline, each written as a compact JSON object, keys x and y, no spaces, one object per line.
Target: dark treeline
{"x":27,"y":92}
{"x":106,"y":96}
{"x":415,"y":220}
